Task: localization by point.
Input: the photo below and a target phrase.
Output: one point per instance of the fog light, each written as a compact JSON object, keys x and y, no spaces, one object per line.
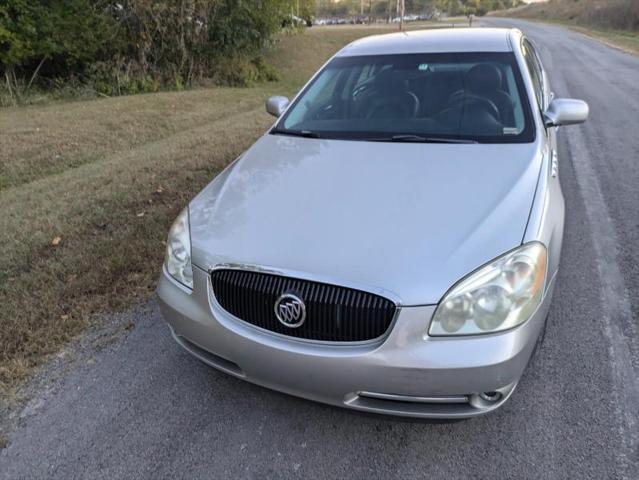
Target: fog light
{"x":491,"y":397}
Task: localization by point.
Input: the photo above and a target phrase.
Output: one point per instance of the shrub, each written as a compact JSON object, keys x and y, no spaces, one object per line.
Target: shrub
{"x":131,"y":46}
{"x":66,"y":33}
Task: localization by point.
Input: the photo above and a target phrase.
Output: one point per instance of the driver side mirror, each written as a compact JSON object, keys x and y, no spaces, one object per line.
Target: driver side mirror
{"x":276,"y":105}
{"x":566,"y":111}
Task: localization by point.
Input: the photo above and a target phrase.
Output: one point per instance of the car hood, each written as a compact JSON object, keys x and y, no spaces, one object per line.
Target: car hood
{"x":407,"y":219}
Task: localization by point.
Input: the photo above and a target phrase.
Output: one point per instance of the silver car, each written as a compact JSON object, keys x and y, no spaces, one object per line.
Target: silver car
{"x":391,"y":244}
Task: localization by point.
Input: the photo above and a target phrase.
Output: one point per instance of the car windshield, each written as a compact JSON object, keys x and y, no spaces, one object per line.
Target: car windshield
{"x":471,"y":97}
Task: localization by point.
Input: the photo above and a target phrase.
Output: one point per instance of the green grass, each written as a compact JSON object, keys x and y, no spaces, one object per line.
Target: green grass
{"x":108,"y":176}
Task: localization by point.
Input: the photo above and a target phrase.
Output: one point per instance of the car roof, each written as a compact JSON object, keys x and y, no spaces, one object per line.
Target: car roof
{"x":440,"y":40}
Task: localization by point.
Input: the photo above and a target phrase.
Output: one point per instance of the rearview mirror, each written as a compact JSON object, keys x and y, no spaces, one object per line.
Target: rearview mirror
{"x":566,"y":111}
{"x":276,"y":105}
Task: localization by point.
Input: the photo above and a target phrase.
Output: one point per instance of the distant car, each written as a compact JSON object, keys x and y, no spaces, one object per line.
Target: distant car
{"x":391,"y":244}
{"x":427,"y":15}
{"x":295,"y":21}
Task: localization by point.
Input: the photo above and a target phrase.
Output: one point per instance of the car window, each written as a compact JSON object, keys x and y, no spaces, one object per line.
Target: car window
{"x":467,"y":96}
{"x":536,"y":72}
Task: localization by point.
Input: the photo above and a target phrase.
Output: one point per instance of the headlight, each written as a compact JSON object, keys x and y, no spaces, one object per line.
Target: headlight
{"x":498,"y":296}
{"x":178,"y":250}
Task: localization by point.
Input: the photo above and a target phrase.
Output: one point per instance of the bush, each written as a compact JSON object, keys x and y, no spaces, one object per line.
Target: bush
{"x":67,"y":33}
{"x":244,"y":72}
{"x":132,"y":46}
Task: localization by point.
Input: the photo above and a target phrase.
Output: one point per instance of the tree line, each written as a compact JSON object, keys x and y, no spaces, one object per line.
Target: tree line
{"x":129,"y":46}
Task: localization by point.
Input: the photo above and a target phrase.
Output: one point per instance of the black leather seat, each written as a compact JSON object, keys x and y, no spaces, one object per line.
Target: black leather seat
{"x":391,"y":98}
{"x":485,"y":80}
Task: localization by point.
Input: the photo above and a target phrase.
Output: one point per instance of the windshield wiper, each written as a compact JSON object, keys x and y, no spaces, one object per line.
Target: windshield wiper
{"x":296,"y":133}
{"x":420,"y":139}
{"x":449,"y":140}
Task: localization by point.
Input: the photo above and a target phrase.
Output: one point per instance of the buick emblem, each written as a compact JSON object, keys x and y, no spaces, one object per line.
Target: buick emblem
{"x":290,"y":310}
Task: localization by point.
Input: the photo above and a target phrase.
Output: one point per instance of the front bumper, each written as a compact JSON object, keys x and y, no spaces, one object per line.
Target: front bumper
{"x":404,"y":374}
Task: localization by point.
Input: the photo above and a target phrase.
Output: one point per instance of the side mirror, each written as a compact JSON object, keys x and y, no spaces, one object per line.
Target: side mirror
{"x":566,"y":111}
{"x":276,"y":105}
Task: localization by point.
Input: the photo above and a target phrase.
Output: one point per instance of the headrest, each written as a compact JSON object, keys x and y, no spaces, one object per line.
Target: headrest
{"x":483,"y":77}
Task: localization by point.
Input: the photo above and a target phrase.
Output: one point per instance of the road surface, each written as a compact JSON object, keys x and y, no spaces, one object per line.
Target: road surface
{"x":142,"y":408}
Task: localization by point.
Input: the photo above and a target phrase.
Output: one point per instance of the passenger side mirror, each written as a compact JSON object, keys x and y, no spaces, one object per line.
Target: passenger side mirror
{"x":566,"y":111}
{"x":276,"y":105}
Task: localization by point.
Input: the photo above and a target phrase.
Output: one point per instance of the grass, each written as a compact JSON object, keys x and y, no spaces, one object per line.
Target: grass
{"x":614,"y":22}
{"x":620,"y":39}
{"x":88,"y":190}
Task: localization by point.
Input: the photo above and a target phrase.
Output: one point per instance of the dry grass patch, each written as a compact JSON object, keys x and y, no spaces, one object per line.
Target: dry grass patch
{"x":622,"y":40}
{"x":110,"y":218}
{"x":42,"y":141}
{"x":605,"y":14}
{"x":614,"y":22}
{"x":88,"y":190}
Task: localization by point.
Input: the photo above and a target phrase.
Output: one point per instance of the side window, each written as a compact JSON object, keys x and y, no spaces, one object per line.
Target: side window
{"x":536,"y":73}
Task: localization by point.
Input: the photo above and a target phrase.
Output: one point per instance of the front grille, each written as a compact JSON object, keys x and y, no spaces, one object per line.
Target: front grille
{"x":333,"y":313}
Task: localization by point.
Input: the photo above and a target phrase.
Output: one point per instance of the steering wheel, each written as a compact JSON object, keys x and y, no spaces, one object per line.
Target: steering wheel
{"x":466,"y":100}
{"x":324,"y":111}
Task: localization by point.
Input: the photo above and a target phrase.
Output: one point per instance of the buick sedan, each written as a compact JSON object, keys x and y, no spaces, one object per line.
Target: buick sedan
{"x":391,"y":243}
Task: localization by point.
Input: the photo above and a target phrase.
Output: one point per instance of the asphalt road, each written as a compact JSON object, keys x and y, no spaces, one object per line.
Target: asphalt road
{"x":141,"y":408}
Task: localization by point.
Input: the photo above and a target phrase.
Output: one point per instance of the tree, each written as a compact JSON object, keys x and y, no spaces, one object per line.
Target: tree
{"x":66,"y":32}
{"x":133,"y":45}
{"x":306,"y":9}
